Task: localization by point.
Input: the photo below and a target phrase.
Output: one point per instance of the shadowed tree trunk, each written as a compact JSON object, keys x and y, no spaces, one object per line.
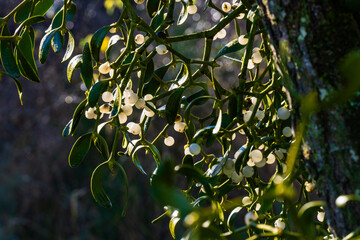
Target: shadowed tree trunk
{"x":316,"y":35}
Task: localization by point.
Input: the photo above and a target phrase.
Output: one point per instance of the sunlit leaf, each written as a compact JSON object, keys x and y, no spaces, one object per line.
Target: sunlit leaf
{"x":230,"y":47}
{"x":97,"y":40}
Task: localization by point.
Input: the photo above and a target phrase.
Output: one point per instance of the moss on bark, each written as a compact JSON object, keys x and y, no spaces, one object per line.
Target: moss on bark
{"x":317,"y":35}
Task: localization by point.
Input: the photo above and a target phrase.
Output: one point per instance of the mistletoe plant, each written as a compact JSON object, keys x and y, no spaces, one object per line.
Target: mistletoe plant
{"x":220,"y":187}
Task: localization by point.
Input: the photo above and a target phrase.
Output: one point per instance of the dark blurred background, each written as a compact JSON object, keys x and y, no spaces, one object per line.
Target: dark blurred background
{"x":41,"y":197}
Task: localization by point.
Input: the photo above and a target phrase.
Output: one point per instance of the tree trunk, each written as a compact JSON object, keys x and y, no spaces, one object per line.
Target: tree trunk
{"x":316,"y":35}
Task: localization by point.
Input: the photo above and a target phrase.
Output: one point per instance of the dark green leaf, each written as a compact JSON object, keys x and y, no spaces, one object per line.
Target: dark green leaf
{"x":198,"y":94}
{"x":97,"y":188}
{"x":80,"y":149}
{"x":70,"y":47}
{"x":57,"y":42}
{"x":230,"y":47}
{"x":188,"y":160}
{"x":158,"y":19}
{"x":173,"y":105}
{"x":25,"y":55}
{"x":29,"y":21}
{"x":67,"y":129}
{"x":97,"y":40}
{"x":137,"y":163}
{"x":7,"y":54}
{"x":95,"y":92}
{"x":57,"y":20}
{"x":204,"y":132}
{"x":102,"y":146}
{"x":183,"y":14}
{"x":71,"y":126}
{"x":74,"y":63}
{"x":152,"y":7}
{"x":117,"y":103}
{"x":152,"y":86}
{"x":155,"y":152}
{"x":42,"y":7}
{"x":86,"y":68}
{"x":232,"y":107}
{"x":23,"y":12}
{"x":45,"y":46}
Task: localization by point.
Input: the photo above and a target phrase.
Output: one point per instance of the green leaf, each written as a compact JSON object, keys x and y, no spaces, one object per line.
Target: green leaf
{"x":23,"y":12}
{"x":232,"y":217}
{"x":172,"y":224}
{"x":173,"y":105}
{"x":112,"y":41}
{"x":97,"y":40}
{"x":70,"y":47}
{"x":86,"y":68}
{"x":29,"y":21}
{"x":42,"y":7}
{"x":232,"y":107}
{"x":136,"y":161}
{"x":152,"y":86}
{"x":158,"y":19}
{"x":57,"y":20}
{"x":71,"y":126}
{"x":67,"y":129}
{"x":45,"y":46}
{"x":79,"y":150}
{"x":117,"y":103}
{"x":7,"y":54}
{"x":155,"y":152}
{"x":25,"y":56}
{"x":95,"y":92}
{"x":19,"y":89}
{"x":102,"y":146}
{"x":74,"y":63}
{"x":203,"y":133}
{"x":97,"y":188}
{"x":188,"y":159}
{"x":218,"y":123}
{"x":230,"y":47}
{"x":196,"y":95}
{"x":181,"y":78}
{"x":183,"y":14}
{"x":57,"y":42}
{"x":152,"y":7}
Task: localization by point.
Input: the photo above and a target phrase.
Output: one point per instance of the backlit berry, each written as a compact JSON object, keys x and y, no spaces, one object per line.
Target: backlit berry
{"x":192,"y":9}
{"x":161,"y":49}
{"x":226,"y":7}
{"x":105,"y":68}
{"x":283,"y":113}
{"x":194,"y":148}
{"x":139,"y":39}
{"x":107,"y":96}
{"x":169,"y":141}
{"x":243,"y":40}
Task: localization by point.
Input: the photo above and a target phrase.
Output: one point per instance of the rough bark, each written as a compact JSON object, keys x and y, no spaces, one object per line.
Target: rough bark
{"x":316,"y":35}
